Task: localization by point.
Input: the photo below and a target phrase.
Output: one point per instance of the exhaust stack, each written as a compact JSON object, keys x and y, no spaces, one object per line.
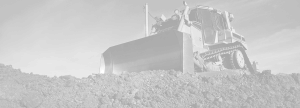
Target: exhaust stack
{"x":146,"y":20}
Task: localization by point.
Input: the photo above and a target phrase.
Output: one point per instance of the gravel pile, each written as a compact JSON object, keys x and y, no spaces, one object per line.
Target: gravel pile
{"x":148,"y":89}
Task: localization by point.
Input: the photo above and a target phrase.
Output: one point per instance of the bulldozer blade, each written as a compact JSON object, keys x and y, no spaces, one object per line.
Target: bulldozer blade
{"x":169,"y":50}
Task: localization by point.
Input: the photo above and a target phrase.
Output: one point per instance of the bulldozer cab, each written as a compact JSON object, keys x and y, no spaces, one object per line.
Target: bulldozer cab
{"x":214,"y":24}
{"x":208,"y":18}
{"x":210,"y":21}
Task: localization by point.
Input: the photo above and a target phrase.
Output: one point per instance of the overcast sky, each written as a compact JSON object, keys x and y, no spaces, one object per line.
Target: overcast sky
{"x":67,"y":37}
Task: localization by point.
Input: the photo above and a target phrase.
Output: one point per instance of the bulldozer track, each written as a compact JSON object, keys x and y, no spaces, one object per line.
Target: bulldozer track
{"x":220,"y":51}
{"x":228,"y":50}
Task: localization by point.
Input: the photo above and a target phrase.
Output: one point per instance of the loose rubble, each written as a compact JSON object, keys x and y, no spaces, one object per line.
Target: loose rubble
{"x":148,"y":89}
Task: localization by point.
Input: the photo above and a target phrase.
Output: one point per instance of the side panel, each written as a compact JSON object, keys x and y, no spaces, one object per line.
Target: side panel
{"x":197,"y":38}
{"x":108,"y":62}
{"x":187,"y":53}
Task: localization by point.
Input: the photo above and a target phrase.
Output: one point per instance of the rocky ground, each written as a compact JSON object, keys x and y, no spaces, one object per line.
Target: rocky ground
{"x":149,"y":89}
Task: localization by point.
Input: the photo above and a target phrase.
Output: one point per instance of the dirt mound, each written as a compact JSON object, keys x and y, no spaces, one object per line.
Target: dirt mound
{"x":148,"y":89}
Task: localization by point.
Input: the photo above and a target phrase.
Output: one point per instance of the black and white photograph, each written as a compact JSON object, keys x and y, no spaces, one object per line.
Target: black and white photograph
{"x":149,"y":54}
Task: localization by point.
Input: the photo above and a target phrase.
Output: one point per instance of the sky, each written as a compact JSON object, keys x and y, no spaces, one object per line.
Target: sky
{"x":67,"y":37}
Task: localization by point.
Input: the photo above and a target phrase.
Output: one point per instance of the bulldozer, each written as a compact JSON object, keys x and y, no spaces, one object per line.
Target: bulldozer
{"x":201,"y":39}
